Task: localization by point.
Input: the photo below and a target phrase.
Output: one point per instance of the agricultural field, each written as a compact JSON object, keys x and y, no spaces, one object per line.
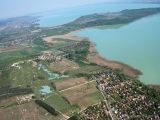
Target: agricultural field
{"x":64,"y":65}
{"x":62,"y":85}
{"x":9,"y":56}
{"x":84,"y":95}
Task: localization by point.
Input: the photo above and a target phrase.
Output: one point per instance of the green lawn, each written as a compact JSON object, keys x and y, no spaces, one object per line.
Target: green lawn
{"x":116,"y":97}
{"x":94,"y":98}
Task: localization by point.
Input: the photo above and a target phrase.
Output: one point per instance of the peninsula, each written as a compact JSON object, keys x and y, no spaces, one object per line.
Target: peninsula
{"x":45,"y":73}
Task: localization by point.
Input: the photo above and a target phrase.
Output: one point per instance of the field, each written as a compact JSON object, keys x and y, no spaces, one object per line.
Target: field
{"x":84,"y":95}
{"x":25,"y":77}
{"x":64,"y":65}
{"x":69,"y":83}
{"x":56,"y":100}
{"x":78,"y":91}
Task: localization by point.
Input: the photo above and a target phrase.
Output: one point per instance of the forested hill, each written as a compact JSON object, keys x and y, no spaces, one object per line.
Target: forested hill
{"x":125,"y":16}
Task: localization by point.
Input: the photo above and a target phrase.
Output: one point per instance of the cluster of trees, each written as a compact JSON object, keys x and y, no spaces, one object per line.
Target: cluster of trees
{"x":86,"y":75}
{"x":54,"y":86}
{"x":7,"y":92}
{"x":38,"y":78}
{"x":66,"y":100}
{"x":49,"y":108}
{"x":80,"y":52}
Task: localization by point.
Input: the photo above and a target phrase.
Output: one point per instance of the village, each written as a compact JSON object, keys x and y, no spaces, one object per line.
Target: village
{"x":127,"y":100}
{"x":98,"y":111}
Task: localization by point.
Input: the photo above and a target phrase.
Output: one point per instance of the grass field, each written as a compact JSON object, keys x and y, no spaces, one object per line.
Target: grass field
{"x":56,"y":101}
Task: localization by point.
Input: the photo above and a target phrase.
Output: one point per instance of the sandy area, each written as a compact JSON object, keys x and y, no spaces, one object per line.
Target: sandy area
{"x":65,"y":36}
{"x":34,"y":63}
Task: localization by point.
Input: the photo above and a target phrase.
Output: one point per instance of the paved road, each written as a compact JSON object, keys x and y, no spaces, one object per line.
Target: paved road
{"x":107,"y":104}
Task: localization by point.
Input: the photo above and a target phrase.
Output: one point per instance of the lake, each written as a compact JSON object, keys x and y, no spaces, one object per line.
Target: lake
{"x":136,"y":44}
{"x":45,"y":90}
{"x":62,"y":16}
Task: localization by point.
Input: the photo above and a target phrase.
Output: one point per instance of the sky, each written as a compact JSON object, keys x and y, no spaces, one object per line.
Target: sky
{"x":14,"y":8}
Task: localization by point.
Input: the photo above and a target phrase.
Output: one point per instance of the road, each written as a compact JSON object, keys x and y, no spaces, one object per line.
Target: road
{"x":107,"y":104}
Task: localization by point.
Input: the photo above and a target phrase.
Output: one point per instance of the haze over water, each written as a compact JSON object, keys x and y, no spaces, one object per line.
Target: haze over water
{"x":136,"y":44}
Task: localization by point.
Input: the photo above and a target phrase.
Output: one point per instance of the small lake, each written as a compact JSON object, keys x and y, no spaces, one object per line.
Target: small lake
{"x":45,"y":90}
{"x":52,"y":75}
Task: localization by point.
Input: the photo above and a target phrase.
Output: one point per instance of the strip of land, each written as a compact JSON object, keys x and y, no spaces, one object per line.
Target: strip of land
{"x":65,"y":36}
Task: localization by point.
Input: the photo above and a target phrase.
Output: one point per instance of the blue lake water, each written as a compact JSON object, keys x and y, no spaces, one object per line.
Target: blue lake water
{"x":45,"y":90}
{"x":136,"y":44}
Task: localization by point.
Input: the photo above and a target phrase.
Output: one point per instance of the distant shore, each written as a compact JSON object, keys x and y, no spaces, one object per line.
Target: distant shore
{"x":95,"y":57}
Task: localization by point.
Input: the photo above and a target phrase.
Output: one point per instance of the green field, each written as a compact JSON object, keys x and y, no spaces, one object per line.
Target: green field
{"x":56,"y":101}
{"x":94,"y":97}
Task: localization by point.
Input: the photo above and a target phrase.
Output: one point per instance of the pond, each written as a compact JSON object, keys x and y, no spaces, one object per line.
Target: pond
{"x":52,"y":75}
{"x":45,"y":90}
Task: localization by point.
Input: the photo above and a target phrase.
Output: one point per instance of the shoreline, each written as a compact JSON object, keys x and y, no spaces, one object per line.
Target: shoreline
{"x":95,"y":57}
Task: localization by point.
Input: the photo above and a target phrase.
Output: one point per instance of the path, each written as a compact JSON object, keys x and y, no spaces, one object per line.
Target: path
{"x":77,"y":86}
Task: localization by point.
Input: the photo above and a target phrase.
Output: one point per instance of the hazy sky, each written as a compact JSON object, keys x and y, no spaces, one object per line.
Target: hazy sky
{"x":11,"y":8}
